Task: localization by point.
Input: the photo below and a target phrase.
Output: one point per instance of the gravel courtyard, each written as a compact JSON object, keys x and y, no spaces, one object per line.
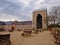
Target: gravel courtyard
{"x":42,"y":38}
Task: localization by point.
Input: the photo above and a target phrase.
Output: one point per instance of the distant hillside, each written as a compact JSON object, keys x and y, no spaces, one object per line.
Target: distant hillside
{"x":19,"y":22}
{"x":8,"y":22}
{"x":2,"y":23}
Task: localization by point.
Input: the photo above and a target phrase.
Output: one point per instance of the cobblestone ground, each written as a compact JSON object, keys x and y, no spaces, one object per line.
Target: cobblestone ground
{"x":42,"y":38}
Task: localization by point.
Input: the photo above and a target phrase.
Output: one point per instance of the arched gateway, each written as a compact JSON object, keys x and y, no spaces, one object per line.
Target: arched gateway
{"x":39,"y":22}
{"x":40,"y":19}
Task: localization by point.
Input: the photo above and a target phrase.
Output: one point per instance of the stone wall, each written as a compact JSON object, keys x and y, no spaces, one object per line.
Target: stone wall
{"x":8,"y":27}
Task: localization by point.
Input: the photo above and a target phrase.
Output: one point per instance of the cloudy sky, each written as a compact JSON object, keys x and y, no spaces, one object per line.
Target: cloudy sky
{"x":22,"y":9}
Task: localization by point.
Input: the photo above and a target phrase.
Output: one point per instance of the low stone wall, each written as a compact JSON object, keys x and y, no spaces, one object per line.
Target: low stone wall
{"x":8,"y":27}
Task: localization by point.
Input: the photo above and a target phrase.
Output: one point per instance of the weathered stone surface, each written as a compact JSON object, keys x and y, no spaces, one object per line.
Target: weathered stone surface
{"x":43,"y":14}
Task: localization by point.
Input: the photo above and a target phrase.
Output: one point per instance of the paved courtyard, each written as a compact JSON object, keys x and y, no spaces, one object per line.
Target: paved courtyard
{"x":42,"y":38}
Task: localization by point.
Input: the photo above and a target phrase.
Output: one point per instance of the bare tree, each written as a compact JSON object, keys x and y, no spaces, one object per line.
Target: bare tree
{"x":54,"y":13}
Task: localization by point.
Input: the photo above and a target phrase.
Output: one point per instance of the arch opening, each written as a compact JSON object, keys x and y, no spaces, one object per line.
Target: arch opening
{"x":39,"y":22}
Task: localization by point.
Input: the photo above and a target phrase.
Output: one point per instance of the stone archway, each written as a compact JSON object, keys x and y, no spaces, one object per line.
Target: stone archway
{"x":39,"y":21}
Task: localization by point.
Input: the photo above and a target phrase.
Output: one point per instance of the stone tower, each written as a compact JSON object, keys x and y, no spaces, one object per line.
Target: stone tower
{"x":40,"y":19}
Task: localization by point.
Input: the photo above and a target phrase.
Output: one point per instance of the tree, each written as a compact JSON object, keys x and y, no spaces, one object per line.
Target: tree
{"x":54,"y":13}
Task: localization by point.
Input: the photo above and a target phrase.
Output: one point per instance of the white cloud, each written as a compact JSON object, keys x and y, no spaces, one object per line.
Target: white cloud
{"x":18,"y":9}
{"x":5,"y":17}
{"x":25,"y":2}
{"x":52,"y":2}
{"x":38,"y":3}
{"x":1,"y":8}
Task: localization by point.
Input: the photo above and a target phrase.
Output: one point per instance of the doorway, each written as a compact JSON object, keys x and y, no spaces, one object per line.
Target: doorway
{"x":39,"y":22}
